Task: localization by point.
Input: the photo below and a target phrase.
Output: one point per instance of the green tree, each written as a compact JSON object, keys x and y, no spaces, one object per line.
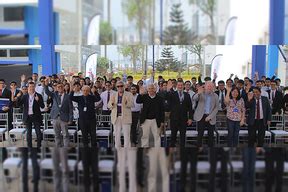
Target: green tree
{"x":168,"y":62}
{"x":207,"y":7}
{"x":178,"y":32}
{"x":136,"y":11}
{"x":102,"y":65}
{"x":106,"y":33}
{"x":134,"y":52}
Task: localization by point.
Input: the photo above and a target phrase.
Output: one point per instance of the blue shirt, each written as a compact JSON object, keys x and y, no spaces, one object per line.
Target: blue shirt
{"x":207,"y":105}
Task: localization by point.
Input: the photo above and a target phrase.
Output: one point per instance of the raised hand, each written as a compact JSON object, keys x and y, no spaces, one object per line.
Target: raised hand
{"x":36,"y":97}
{"x":142,"y":90}
{"x":23,"y":78}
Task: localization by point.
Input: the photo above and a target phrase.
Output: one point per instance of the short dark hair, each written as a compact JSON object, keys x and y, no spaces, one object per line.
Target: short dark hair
{"x":259,"y":81}
{"x":268,"y":79}
{"x":193,"y":78}
{"x":278,"y":79}
{"x":77,"y":83}
{"x":273,"y":81}
{"x":251,"y":81}
{"x":108,"y":82}
{"x":187,"y":82}
{"x":129,"y":77}
{"x":35,"y":74}
{"x":257,"y":88}
{"x":229,"y":80}
{"x":42,"y":78}
{"x":31,"y":83}
{"x":207,"y":79}
{"x":241,"y":81}
{"x":3,"y":80}
{"x":134,"y":86}
{"x":13,"y":82}
{"x":221,"y":82}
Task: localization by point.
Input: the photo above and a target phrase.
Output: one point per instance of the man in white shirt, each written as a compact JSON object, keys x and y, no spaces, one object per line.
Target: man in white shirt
{"x":135,"y":115}
{"x":105,"y":98}
{"x":40,"y":88}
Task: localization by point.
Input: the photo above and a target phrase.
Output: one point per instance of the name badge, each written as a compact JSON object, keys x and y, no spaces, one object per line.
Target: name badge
{"x":235,"y":110}
{"x":85,"y":109}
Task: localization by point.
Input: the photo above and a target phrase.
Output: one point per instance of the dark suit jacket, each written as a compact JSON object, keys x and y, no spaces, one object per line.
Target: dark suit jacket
{"x":24,"y":100}
{"x":277,"y":102}
{"x":267,"y":115}
{"x":14,"y":104}
{"x":180,"y":112}
{"x":218,"y":92}
{"x":90,"y":104}
{"x":66,"y":110}
{"x":159,"y":108}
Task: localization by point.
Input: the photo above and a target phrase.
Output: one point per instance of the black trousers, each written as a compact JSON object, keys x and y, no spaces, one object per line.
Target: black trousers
{"x":201,"y":126}
{"x":90,"y":166}
{"x":37,"y":126}
{"x":133,"y":131}
{"x":35,"y":165}
{"x":253,"y":136}
{"x":88,"y":128}
{"x":214,"y":155}
{"x":188,"y":154}
{"x":274,"y":174}
{"x":176,"y":126}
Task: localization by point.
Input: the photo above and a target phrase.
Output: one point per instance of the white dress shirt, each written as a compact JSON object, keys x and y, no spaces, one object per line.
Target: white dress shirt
{"x":137,"y":107}
{"x":264,"y":93}
{"x":31,"y":101}
{"x":104,"y":99}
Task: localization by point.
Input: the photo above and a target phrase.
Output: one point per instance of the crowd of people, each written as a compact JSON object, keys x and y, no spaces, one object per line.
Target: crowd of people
{"x":152,"y":104}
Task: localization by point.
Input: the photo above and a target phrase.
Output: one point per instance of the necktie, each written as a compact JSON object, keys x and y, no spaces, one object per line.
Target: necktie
{"x":60,"y":99}
{"x":258,"y":109}
{"x":108,"y":97}
{"x":180,"y":95}
{"x":0,"y":92}
{"x":222,"y":101}
{"x":273,"y":95}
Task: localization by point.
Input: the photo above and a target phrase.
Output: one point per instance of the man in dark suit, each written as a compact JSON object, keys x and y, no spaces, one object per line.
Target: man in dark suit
{"x":87,"y":114}
{"x":221,"y":92}
{"x":152,"y":115}
{"x":15,"y":92}
{"x":180,"y":107}
{"x":259,"y":116}
{"x":32,"y":103}
{"x":61,"y":113}
{"x":276,"y":99}
{"x":6,"y":94}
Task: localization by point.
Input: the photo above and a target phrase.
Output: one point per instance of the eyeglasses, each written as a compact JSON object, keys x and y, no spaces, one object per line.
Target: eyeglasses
{"x":120,"y":86}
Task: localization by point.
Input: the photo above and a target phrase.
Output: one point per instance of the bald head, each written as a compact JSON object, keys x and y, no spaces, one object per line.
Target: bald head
{"x":86,"y":90}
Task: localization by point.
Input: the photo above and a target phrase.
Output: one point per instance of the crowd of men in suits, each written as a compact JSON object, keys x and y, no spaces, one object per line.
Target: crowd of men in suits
{"x":153,"y":106}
